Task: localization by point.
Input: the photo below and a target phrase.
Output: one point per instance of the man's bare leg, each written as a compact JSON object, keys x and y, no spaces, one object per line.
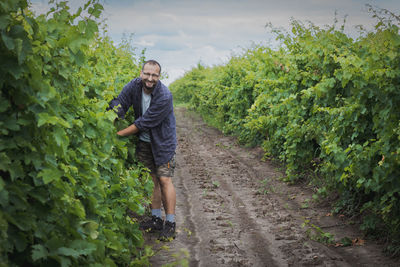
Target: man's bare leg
{"x":168,"y":194}
{"x":156,"y":196}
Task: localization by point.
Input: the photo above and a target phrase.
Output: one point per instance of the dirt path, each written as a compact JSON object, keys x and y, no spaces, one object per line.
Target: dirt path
{"x":232,"y":210}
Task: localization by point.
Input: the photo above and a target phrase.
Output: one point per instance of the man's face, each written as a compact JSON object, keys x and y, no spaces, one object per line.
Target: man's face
{"x":150,"y":76}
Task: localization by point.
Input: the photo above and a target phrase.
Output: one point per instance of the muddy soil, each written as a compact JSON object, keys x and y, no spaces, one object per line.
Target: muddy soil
{"x":234,"y":210}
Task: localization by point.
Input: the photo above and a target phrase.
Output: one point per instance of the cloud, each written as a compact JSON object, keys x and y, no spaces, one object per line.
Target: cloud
{"x":181,"y":33}
{"x":143,"y":42}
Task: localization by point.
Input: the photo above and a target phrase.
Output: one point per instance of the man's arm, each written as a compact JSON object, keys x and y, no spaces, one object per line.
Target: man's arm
{"x":132,"y":129}
{"x":124,"y":99}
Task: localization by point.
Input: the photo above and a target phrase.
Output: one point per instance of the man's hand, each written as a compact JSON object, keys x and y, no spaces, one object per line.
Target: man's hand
{"x":132,"y":129}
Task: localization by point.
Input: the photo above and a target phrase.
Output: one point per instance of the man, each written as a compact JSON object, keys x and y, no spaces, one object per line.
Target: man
{"x":155,"y":125}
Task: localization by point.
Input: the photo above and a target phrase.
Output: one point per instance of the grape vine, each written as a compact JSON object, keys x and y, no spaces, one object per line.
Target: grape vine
{"x":66,"y":180}
{"x":325,"y":104}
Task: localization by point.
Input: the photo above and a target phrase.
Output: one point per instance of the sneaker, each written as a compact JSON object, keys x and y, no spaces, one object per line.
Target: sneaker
{"x":168,"y":233}
{"x":152,"y":225}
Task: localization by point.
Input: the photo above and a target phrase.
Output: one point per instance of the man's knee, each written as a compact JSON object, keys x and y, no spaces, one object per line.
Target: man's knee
{"x":165,"y":181}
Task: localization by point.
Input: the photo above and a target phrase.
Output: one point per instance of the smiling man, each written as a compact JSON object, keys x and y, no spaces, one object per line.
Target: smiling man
{"x":155,"y":125}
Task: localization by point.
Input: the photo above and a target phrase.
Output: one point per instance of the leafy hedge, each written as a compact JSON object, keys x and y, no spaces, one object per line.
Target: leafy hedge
{"x":323,"y":102}
{"x":66,"y":179}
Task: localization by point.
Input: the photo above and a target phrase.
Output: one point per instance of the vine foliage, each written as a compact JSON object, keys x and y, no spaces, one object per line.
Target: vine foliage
{"x":66,"y":179}
{"x":322,"y":103}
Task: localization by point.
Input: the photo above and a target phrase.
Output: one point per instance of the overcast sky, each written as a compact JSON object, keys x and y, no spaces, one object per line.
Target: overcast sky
{"x":181,"y":33}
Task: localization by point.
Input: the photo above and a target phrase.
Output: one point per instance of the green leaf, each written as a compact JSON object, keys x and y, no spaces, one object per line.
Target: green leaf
{"x":3,"y":198}
{"x":68,"y":252}
{"x":60,"y":137}
{"x":16,"y":170}
{"x":39,"y":252}
{"x":97,"y":10}
{"x":50,"y":174}
{"x":65,"y":262}
{"x":8,"y":41}
{"x":1,"y":184}
{"x":47,"y":92}
{"x":78,"y":12}
{"x":12,"y":67}
{"x":78,"y":57}
{"x":12,"y":124}
{"x":4,"y":21}
{"x":91,"y":228}
{"x":4,"y":104}
{"x":91,"y":28}
{"x":91,"y":132}
{"x":84,"y":247}
{"x":40,"y":194}
{"x":45,"y":118}
{"x":4,"y":161}
{"x":20,"y":241}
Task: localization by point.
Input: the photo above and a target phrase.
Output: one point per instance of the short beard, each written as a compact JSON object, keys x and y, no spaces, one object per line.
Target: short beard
{"x":149,"y":88}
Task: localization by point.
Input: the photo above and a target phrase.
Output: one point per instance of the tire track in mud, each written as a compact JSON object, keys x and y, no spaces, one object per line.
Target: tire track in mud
{"x":232,"y":211}
{"x":242,"y":224}
{"x":233,"y":238}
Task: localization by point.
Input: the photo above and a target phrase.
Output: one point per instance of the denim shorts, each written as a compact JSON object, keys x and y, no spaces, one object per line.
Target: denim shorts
{"x":145,"y":156}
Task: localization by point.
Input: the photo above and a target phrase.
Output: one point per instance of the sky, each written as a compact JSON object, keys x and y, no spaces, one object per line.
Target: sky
{"x":179,"y":34}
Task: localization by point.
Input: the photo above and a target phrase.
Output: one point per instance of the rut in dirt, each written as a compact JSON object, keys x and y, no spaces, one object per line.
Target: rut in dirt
{"x":232,"y":211}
